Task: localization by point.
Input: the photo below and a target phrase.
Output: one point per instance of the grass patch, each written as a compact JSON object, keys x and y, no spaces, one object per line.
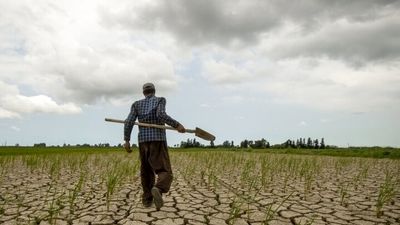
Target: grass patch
{"x":10,"y":151}
{"x":367,"y":152}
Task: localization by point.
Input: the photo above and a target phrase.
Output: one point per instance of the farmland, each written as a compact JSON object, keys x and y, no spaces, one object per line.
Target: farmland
{"x":97,"y":186}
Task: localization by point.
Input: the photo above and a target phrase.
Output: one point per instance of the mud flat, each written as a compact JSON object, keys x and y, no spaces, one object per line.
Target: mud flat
{"x":209,"y":187}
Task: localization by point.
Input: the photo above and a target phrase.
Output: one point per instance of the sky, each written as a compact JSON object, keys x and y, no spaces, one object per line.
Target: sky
{"x":245,"y":69}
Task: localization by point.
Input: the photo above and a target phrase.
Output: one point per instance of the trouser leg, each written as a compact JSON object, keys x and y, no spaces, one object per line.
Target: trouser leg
{"x":146,"y":171}
{"x":160,"y":162}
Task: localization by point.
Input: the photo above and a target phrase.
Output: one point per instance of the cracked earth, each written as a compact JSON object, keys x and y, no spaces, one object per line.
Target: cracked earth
{"x":210,"y":188}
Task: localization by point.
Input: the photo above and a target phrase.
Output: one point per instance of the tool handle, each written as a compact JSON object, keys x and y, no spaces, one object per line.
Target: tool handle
{"x":148,"y":125}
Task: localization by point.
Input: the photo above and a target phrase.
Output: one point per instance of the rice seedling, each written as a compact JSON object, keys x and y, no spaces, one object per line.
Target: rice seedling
{"x":114,"y":176}
{"x":235,"y":210}
{"x":361,"y":175}
{"x":245,"y":176}
{"x":54,"y":209}
{"x":343,"y":192}
{"x":308,"y":171}
{"x":73,"y":194}
{"x":271,"y":211}
{"x":252,"y":192}
{"x":3,"y":202}
{"x":311,"y":221}
{"x":386,"y":192}
{"x":265,"y":173}
{"x":32,"y":162}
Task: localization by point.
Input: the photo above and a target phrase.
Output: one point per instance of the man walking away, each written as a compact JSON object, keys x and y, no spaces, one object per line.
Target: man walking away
{"x":153,"y":148}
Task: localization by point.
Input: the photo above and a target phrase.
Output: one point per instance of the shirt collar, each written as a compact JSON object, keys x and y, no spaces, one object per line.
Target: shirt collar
{"x":150,"y":95}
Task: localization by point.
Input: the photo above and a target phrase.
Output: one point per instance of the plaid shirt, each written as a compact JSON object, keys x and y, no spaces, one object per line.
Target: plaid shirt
{"x":148,"y":110}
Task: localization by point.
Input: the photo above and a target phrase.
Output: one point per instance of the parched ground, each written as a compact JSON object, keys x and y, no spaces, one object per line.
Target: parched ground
{"x":208,"y":188}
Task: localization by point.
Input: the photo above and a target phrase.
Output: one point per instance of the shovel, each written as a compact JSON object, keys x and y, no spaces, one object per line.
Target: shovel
{"x":198,"y":132}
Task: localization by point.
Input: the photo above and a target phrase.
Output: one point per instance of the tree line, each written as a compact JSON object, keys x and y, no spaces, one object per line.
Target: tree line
{"x":255,"y":144}
{"x":259,"y":144}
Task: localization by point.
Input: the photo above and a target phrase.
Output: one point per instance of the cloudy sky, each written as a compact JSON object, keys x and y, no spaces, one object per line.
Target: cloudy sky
{"x":240,"y":69}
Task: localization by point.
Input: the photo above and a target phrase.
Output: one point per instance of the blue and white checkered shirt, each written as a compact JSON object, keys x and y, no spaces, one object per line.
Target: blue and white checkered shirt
{"x":149,"y":110}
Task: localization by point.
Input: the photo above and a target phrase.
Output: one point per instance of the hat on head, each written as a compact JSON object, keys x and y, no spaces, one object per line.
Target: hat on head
{"x":148,"y":86}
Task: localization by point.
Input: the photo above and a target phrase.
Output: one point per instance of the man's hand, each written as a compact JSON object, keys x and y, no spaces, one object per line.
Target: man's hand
{"x":127,"y":147}
{"x":181,"y":129}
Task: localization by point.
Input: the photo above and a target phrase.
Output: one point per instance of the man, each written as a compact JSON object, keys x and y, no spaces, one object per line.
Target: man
{"x":153,"y":148}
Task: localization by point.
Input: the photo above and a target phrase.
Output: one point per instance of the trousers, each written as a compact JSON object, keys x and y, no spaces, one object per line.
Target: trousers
{"x":154,"y":159}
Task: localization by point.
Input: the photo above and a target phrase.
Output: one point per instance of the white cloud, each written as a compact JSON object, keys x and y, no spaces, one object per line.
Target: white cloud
{"x":323,"y":120}
{"x":14,"y":128}
{"x":61,"y":50}
{"x":224,"y":73}
{"x":235,"y":99}
{"x":323,"y":84}
{"x":13,"y":104}
{"x":238,"y":117}
{"x":333,"y":85}
{"x":303,"y":123}
{"x":7,"y":114}
{"x":205,"y":105}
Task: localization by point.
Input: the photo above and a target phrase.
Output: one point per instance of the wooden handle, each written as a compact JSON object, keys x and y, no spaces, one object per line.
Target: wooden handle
{"x":148,"y":125}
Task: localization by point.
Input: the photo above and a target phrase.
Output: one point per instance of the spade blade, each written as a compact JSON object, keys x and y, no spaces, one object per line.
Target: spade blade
{"x":204,"y":134}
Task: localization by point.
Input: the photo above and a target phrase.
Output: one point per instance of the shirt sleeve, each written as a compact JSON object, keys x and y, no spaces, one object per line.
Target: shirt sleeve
{"x":162,"y":115}
{"x":129,"y":122}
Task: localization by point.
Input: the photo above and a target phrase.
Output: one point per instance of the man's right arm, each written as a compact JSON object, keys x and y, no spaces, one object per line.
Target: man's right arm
{"x":129,"y":122}
{"x":165,"y":118}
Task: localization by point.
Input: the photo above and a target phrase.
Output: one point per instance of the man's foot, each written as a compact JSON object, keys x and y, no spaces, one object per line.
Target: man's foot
{"x":147,"y":203}
{"x":158,"y":201}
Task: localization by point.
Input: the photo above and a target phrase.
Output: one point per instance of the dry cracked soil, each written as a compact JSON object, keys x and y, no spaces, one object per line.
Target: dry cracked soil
{"x":93,"y":193}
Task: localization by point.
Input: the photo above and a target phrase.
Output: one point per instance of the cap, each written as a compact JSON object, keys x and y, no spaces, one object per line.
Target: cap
{"x":148,"y":86}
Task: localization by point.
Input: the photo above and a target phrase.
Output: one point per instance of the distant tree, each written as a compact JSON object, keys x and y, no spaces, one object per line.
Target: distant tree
{"x":251,"y":143}
{"x":190,"y":144}
{"x":263,"y":143}
{"x":309,"y":143}
{"x":40,"y":145}
{"x":322,"y":143}
{"x":316,"y":145}
{"x":244,"y":144}
{"x":287,"y":143}
{"x":226,"y":144}
{"x":212,"y":144}
{"x":259,"y":143}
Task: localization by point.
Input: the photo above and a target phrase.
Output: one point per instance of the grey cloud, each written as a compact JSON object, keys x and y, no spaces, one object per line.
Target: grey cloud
{"x":224,"y":22}
{"x":357,"y":44}
{"x":90,"y":75}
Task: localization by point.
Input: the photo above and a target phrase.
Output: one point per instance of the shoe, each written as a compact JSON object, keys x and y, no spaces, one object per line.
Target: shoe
{"x":158,"y":201}
{"x":147,"y":203}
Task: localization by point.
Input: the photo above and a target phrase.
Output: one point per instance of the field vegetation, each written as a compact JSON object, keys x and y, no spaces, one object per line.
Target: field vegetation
{"x":215,"y":186}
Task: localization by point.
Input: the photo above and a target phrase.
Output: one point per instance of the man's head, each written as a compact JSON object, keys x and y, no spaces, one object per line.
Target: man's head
{"x":148,"y":88}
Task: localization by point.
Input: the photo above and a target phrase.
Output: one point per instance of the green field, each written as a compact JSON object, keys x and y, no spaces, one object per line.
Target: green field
{"x":211,"y":186}
{"x":370,"y":152}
